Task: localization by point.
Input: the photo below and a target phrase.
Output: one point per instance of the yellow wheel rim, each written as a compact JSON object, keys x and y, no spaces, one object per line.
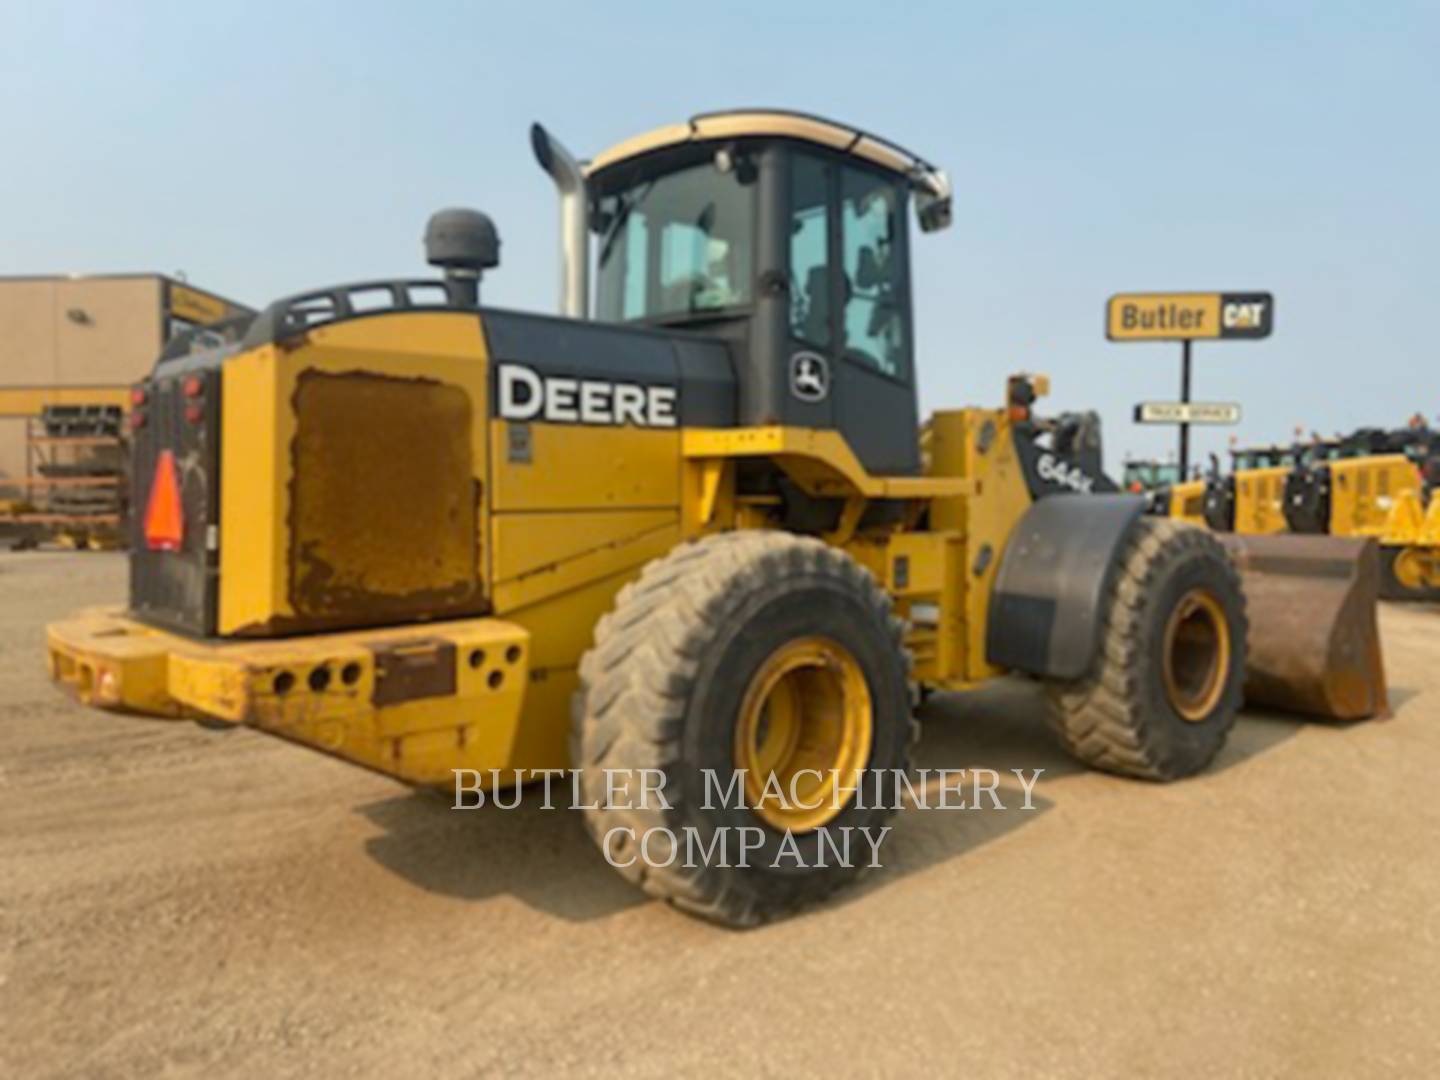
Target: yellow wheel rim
{"x":804,"y":734}
{"x":1197,"y":655}
{"x":1410,"y":570}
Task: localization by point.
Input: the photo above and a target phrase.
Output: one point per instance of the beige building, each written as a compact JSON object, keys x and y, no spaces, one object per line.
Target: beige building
{"x":84,"y":341}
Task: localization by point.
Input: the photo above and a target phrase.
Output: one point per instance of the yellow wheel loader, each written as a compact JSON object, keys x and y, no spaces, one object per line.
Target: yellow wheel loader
{"x":691,"y":535}
{"x":1185,"y":502}
{"x":1410,"y":558}
{"x":1371,"y":484}
{"x":1251,"y":499}
{"x":1168,"y":493}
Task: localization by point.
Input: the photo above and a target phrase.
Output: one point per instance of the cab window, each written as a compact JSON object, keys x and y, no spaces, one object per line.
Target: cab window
{"x":872,"y":220}
{"x":810,"y":282}
{"x":676,"y":244}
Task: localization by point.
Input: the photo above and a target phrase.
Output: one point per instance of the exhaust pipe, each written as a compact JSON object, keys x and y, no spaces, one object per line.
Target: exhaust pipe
{"x":574,"y":228}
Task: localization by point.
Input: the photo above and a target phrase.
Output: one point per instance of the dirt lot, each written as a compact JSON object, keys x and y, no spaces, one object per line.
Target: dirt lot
{"x":177,"y":899}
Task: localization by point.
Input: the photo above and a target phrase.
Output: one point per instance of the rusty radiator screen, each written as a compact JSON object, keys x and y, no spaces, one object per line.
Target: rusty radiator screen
{"x":384,"y":505}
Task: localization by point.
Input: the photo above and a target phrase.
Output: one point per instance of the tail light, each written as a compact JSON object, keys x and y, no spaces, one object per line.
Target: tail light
{"x":138,"y":399}
{"x":193,"y":388}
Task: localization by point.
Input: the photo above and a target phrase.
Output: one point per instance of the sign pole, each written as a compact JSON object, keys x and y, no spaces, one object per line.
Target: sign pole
{"x":1185,"y":399}
{"x":1186,"y":317}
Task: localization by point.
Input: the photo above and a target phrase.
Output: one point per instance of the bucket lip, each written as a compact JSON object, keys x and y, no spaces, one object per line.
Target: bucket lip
{"x":1329,"y":557}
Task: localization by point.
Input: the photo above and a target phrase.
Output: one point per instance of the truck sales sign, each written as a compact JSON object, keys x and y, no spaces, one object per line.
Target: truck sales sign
{"x":1188,"y":316}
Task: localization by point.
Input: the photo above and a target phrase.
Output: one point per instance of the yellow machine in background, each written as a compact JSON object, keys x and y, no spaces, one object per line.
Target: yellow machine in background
{"x":1355,"y":491}
{"x":1259,"y":500}
{"x":1348,"y":496}
{"x":694,"y":534}
{"x":1259,"y":476}
{"x":1344,"y":487}
{"x":1169,"y":495}
{"x":1411,"y":552}
{"x":1249,"y":499}
{"x":1186,"y":502}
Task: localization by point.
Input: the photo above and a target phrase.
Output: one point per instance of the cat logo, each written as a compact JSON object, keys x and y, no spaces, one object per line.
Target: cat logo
{"x":1243,"y":314}
{"x":1189,"y":316}
{"x":809,"y":376}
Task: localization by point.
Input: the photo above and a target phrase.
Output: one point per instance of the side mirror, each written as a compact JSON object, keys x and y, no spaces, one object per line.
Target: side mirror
{"x":933,"y":198}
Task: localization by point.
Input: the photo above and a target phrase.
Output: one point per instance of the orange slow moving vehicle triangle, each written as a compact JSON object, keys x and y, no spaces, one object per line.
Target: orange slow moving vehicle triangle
{"x":164,"y":519}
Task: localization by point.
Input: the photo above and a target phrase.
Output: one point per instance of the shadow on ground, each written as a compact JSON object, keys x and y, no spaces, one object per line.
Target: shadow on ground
{"x":1002,"y":726}
{"x":546,"y":859}
{"x":1399,"y":695}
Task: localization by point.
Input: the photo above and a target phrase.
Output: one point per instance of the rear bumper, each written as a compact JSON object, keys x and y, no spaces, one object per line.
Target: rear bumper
{"x":414,"y":701}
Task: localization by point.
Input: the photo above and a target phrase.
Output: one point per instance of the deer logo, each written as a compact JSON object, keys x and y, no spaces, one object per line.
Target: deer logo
{"x":809,"y":376}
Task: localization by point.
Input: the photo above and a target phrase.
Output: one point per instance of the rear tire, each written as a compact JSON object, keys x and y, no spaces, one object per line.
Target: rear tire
{"x":670,"y":685}
{"x":1167,"y":683}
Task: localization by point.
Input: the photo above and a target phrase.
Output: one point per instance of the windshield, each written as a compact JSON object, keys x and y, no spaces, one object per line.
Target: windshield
{"x":676,"y":244}
{"x":1151,"y":474}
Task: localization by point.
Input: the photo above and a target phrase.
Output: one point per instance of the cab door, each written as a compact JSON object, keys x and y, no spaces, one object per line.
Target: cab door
{"x":850,"y":321}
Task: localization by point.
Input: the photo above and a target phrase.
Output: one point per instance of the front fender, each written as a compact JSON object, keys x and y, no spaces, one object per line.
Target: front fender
{"x":1046,"y":603}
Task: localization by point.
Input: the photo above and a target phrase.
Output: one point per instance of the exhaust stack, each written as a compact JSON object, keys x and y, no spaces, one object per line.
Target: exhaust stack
{"x":574,"y":228}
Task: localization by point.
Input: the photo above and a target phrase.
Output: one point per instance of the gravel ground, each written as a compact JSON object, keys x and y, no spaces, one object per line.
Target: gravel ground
{"x":177,"y":899}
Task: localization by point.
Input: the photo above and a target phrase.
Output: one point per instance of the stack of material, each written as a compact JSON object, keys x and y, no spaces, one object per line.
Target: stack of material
{"x":77,"y":463}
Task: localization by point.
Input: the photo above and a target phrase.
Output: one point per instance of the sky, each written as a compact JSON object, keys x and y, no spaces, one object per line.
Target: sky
{"x":1095,"y":148}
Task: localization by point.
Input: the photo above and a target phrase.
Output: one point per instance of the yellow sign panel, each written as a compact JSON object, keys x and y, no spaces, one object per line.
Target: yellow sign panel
{"x":1186,"y":316}
{"x":1163,"y":316}
{"x":195,"y":306}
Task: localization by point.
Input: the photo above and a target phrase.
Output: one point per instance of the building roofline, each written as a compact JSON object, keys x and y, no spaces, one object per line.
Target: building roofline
{"x":126,"y":275}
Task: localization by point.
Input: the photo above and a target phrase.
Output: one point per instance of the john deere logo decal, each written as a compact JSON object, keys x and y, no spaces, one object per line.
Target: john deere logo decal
{"x":809,"y":376}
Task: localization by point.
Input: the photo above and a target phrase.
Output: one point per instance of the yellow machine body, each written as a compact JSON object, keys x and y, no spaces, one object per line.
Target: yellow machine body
{"x":450,"y":636}
{"x":1260,"y":500}
{"x":1412,"y":539}
{"x":389,"y":527}
{"x":1364,"y":491}
{"x":1187,"y":502}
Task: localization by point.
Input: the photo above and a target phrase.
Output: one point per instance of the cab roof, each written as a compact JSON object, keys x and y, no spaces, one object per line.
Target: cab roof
{"x":768,"y":123}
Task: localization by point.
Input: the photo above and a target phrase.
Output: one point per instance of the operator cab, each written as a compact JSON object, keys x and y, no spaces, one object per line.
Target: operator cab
{"x":786,"y":236}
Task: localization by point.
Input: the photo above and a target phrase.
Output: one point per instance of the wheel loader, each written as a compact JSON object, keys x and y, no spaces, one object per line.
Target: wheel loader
{"x":1411,"y":548}
{"x":1166,"y":491}
{"x":1250,"y":499}
{"x":1344,"y":487}
{"x":1372,"y":483}
{"x":695,"y":530}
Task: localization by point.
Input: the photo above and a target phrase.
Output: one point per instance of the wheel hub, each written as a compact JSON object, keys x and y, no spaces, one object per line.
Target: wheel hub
{"x":1196,"y":655}
{"x":804,"y":734}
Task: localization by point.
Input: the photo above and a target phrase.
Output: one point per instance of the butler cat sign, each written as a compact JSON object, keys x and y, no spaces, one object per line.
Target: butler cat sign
{"x":1188,"y":316}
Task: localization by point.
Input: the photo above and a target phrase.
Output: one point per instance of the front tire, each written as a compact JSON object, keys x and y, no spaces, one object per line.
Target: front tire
{"x":1168,"y":681}
{"x":760,"y":651}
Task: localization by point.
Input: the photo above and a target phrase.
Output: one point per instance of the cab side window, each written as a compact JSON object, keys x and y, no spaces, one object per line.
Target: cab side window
{"x":810,"y":284}
{"x":871,"y":223}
